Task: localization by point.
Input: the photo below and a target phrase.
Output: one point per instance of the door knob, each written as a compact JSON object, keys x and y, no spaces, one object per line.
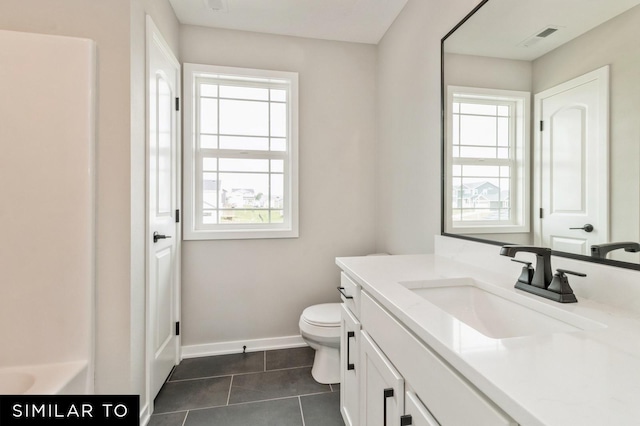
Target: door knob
{"x":586,"y":228}
{"x":157,"y":237}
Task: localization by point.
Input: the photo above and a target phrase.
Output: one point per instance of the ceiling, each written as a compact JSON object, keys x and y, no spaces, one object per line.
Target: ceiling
{"x":360,"y":21}
{"x":500,"y":28}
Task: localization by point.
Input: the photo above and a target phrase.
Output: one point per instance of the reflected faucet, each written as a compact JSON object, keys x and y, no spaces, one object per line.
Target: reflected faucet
{"x":600,"y":250}
{"x":542,"y":276}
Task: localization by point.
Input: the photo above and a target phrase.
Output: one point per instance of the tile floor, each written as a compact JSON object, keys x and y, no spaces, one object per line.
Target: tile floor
{"x":269,"y":388}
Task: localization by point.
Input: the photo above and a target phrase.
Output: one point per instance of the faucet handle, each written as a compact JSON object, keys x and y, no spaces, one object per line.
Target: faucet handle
{"x":566,"y":271}
{"x":527,"y":272}
{"x":560,"y":285}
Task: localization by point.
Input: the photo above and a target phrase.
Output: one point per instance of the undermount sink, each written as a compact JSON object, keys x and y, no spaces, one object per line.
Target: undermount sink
{"x":497,"y":316}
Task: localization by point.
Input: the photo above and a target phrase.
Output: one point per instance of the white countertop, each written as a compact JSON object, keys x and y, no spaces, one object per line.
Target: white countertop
{"x":589,"y":377}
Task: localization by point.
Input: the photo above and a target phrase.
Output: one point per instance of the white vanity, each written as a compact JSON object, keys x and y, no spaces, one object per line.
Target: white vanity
{"x":429,"y":340}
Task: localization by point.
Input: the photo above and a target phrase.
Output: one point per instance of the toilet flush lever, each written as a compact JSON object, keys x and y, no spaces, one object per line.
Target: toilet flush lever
{"x":157,"y":237}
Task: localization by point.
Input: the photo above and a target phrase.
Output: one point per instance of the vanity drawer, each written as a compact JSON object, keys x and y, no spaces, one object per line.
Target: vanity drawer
{"x":443,"y":390}
{"x":350,"y":293}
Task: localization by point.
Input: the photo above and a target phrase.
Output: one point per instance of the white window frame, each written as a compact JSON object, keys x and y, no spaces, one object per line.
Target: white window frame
{"x":520,"y":157}
{"x":193,"y":226}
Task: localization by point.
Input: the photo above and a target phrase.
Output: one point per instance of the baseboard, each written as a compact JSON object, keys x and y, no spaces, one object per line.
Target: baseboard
{"x":223,"y":348}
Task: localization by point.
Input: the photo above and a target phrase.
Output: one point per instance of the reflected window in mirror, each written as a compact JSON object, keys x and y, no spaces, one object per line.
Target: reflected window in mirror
{"x":488,"y":170}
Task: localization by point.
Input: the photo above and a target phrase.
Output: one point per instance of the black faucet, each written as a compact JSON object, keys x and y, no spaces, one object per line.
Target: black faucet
{"x":600,"y":250}
{"x":540,"y":281}
{"x":542,"y":276}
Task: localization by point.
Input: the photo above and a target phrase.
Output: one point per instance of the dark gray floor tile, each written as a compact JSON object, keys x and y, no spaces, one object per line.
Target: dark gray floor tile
{"x":322,"y":409}
{"x":274,"y":384}
{"x":189,"y":394}
{"x":171,"y":419}
{"x":279,"y":412}
{"x":289,"y":358}
{"x":221,"y":365}
{"x":335,"y":387}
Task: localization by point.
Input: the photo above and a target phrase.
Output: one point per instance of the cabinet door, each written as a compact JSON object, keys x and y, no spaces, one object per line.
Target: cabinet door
{"x":381,"y":386}
{"x":416,"y":414}
{"x":349,"y":368}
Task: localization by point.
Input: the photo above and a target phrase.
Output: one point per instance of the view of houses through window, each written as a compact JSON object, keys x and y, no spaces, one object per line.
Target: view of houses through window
{"x":483,"y":159}
{"x":243,"y":148}
{"x":240,"y":153}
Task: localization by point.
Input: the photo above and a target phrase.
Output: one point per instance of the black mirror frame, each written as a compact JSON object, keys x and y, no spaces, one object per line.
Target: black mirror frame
{"x":443,"y":175}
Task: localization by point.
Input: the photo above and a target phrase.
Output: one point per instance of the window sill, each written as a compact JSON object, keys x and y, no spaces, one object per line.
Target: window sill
{"x":506,"y":229}
{"x":249,"y":234}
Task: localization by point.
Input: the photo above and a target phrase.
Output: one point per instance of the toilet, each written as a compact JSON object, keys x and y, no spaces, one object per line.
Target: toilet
{"x":320,"y":328}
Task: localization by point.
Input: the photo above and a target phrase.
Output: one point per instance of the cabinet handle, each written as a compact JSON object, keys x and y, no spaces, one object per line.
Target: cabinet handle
{"x":388,"y":393}
{"x":406,"y":420}
{"x":350,"y":334}
{"x":341,"y":290}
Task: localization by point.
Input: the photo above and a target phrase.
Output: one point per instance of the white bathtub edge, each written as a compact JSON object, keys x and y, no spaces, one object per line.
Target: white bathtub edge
{"x":51,"y":379}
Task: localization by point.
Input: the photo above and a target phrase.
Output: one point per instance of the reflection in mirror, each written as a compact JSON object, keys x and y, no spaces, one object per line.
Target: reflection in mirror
{"x":541,"y":126}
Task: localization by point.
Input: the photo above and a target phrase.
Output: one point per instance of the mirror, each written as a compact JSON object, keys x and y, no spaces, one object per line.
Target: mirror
{"x":541,"y":127}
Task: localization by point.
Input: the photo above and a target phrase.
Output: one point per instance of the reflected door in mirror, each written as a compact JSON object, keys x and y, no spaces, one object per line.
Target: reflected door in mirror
{"x":574,"y":173}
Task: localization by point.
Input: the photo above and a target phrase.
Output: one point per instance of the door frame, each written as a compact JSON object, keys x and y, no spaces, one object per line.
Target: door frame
{"x":153,"y":35}
{"x":601,"y":75}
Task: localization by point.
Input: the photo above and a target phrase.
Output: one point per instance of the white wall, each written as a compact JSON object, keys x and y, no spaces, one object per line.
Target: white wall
{"x":486,"y":72}
{"x":254,"y":289}
{"x":408,"y":166}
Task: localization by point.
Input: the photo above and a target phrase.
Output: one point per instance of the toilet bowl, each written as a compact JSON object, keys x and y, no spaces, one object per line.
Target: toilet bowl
{"x":320,"y":328}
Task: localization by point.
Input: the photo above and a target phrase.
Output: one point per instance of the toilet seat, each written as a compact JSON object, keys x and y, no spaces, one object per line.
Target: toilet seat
{"x":323,"y":315}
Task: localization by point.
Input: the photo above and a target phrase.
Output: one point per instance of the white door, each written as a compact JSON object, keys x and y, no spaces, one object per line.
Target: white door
{"x":572,"y":163}
{"x":163,"y":237}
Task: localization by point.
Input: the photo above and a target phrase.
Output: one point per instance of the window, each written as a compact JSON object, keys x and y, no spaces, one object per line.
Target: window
{"x":240,"y":162}
{"x":487,"y":168}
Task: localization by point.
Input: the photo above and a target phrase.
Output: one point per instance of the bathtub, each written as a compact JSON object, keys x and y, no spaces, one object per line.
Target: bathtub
{"x":46,"y":379}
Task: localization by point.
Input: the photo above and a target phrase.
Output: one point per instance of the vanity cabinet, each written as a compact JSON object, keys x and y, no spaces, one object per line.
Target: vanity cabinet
{"x":398,"y":379}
